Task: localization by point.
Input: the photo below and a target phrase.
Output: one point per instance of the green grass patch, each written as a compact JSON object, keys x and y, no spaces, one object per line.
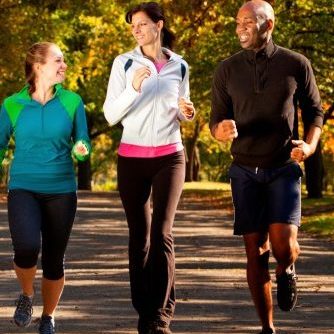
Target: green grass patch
{"x":205,"y":185}
{"x":107,"y":186}
{"x":313,"y":203}
{"x":321,"y":225}
{"x":318,"y":214}
{"x":207,"y":191}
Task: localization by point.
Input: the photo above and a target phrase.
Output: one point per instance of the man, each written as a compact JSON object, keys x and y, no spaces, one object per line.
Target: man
{"x":255,"y":94}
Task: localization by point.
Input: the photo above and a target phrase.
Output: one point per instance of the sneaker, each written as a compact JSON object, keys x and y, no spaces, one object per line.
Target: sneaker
{"x":46,"y":325}
{"x":23,"y":312}
{"x":159,"y":327}
{"x":143,"y":326}
{"x":287,"y":290}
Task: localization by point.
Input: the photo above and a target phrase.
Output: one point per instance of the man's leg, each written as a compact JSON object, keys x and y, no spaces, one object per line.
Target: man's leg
{"x":258,"y":277}
{"x":285,"y":247}
{"x":286,"y":250}
{"x":285,"y":209}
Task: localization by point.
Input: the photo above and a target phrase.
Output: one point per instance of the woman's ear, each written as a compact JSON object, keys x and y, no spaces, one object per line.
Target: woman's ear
{"x":160,"y":24}
{"x":37,"y":67}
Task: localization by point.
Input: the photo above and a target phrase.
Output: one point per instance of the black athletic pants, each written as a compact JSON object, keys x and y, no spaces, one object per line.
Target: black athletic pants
{"x":151,"y":243}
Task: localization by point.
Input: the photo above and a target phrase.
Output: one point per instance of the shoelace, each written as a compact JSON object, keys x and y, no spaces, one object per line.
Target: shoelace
{"x":292,"y":278}
{"x":160,"y":323}
{"x":46,"y":326}
{"x":24,"y":304}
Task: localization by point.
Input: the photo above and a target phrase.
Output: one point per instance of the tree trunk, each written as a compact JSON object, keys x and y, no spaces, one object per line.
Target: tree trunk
{"x":192,"y":159}
{"x":314,"y":173}
{"x":314,"y":166}
{"x":84,"y":175}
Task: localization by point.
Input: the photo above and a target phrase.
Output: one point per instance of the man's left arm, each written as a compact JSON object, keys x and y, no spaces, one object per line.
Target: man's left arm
{"x":312,"y":114}
{"x":303,"y":149}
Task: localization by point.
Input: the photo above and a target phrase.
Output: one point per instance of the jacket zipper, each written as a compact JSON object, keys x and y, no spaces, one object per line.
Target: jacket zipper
{"x":154,"y":127}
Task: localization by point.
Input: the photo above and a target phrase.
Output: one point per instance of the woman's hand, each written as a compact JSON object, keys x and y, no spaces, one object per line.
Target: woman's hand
{"x":187,"y":108}
{"x":140,"y":75}
{"x":81,"y":150}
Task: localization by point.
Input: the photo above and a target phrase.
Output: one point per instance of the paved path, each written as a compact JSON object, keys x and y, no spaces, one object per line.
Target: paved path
{"x":211,"y":289}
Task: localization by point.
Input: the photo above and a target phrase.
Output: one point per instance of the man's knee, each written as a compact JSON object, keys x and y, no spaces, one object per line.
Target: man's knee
{"x":286,"y":249}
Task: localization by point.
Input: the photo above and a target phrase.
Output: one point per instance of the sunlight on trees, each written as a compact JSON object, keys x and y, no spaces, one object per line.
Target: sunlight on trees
{"x":92,"y":33}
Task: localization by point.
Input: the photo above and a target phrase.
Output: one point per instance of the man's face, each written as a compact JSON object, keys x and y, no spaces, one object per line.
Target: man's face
{"x":251,"y":30}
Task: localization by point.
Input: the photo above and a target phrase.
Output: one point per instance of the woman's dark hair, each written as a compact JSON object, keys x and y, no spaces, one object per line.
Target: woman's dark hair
{"x":37,"y":53}
{"x":155,"y":13}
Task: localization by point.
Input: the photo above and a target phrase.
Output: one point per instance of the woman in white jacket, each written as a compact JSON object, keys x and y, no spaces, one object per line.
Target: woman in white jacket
{"x":148,"y":93}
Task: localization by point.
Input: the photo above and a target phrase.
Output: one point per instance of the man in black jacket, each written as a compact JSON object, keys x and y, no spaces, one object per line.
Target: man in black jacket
{"x":255,"y":96}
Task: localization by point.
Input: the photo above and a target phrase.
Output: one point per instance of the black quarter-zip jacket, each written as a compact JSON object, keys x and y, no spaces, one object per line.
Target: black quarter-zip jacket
{"x":262,"y":92}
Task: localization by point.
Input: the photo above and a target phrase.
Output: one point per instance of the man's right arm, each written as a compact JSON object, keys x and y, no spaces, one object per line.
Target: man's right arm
{"x":222,"y":125}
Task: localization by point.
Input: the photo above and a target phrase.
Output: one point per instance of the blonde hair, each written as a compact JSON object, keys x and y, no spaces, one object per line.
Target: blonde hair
{"x":37,"y":53}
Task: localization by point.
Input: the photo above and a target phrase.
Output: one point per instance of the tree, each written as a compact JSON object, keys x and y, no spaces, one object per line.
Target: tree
{"x":93,"y":33}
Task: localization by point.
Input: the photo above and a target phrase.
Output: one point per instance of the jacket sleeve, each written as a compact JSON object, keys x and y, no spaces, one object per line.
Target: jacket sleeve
{"x":309,"y":97}
{"x":120,"y":95}
{"x":185,"y":92}
{"x":221,"y":103}
{"x":6,"y":130}
{"x":80,"y":130}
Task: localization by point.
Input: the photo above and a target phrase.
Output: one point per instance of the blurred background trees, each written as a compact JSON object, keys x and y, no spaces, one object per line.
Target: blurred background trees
{"x":92,"y":33}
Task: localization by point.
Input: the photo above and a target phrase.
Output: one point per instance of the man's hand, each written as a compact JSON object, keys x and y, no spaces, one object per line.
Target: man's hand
{"x":225,"y":130}
{"x":302,"y":150}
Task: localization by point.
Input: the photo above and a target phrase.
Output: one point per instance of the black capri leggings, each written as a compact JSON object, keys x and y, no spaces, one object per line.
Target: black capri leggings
{"x":34,"y":215}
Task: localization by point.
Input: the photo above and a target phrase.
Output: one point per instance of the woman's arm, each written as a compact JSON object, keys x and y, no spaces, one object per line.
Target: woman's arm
{"x":6,"y":130}
{"x":186,"y":107}
{"x":82,"y":147}
{"x":120,"y":96}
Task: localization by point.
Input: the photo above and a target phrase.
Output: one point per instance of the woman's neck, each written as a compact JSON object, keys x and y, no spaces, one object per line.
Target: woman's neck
{"x":43,"y":92}
{"x":154,"y":53}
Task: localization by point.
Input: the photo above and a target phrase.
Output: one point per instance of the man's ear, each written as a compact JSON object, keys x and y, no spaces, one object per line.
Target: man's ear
{"x":269,"y":24}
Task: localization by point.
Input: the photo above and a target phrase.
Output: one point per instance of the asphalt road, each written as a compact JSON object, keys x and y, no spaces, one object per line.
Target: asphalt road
{"x":212,"y":295}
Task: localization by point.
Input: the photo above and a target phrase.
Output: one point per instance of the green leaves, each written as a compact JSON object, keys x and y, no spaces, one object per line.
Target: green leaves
{"x":92,"y":33}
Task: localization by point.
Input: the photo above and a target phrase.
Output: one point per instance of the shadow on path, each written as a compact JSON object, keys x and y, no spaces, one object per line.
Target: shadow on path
{"x":212,"y":295}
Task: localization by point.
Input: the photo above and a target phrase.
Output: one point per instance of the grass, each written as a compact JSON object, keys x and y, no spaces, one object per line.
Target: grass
{"x":318,"y":214}
{"x":320,"y":225}
{"x":205,"y":185}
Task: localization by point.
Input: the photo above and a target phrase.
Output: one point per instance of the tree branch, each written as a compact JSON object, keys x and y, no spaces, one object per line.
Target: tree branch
{"x":4,"y":6}
{"x":328,"y":114}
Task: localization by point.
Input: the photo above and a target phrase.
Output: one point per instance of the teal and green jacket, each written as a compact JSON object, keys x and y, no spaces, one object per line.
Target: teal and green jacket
{"x":44,"y":136}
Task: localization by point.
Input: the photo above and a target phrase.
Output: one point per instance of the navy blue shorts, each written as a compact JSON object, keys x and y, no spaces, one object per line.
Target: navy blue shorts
{"x":265,"y":196}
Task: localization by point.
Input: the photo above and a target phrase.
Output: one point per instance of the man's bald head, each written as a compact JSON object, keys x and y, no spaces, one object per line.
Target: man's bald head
{"x":262,"y":9}
{"x":255,"y":24}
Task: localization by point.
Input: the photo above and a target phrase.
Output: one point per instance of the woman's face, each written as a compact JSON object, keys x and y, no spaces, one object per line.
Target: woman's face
{"x":53,"y":71}
{"x":144,"y":30}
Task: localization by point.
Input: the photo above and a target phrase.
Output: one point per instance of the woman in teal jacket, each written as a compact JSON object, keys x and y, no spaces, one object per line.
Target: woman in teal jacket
{"x":47,"y":123}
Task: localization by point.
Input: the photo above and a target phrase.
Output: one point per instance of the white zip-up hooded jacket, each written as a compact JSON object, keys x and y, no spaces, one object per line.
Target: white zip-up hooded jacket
{"x":149,"y":117}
